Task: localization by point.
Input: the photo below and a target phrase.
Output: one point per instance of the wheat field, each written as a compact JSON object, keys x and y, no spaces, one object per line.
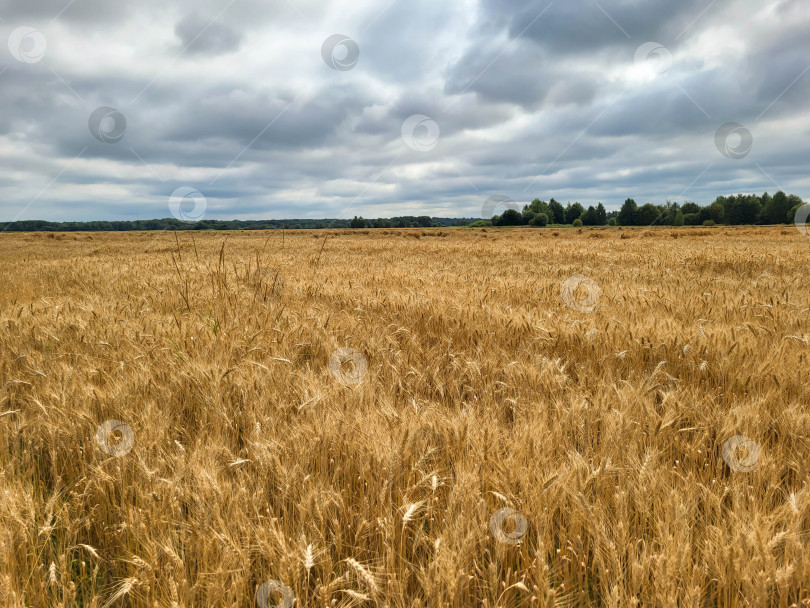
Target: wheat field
{"x":405,"y":418}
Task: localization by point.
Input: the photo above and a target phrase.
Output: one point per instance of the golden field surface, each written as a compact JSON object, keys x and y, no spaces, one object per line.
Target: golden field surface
{"x":496,"y":435}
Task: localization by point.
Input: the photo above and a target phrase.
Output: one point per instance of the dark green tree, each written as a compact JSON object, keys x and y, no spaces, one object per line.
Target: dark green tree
{"x":669,"y":210}
{"x":539,"y":219}
{"x":743,"y":210}
{"x":791,"y":216}
{"x":590,"y":217}
{"x":572,"y":212}
{"x":538,"y":206}
{"x":628,"y":212}
{"x":558,"y":212}
{"x":601,"y":215}
{"x":767,"y":203}
{"x":510,"y":217}
{"x":716,"y":212}
{"x":647,"y":215}
{"x":775,"y":211}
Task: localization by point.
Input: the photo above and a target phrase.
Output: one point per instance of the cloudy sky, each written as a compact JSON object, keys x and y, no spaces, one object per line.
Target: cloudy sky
{"x":317,"y":108}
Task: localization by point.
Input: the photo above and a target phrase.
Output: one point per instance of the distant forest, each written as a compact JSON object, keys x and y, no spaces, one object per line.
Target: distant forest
{"x":738,"y":209}
{"x":175,"y":224}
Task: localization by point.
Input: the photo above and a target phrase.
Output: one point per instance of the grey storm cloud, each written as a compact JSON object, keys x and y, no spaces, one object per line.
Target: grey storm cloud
{"x":198,"y":35}
{"x":582,"y":27}
{"x":529,"y":98}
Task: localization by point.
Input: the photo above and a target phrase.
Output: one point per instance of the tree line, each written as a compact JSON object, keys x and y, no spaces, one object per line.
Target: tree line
{"x":738,"y":209}
{"x":407,"y":221}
